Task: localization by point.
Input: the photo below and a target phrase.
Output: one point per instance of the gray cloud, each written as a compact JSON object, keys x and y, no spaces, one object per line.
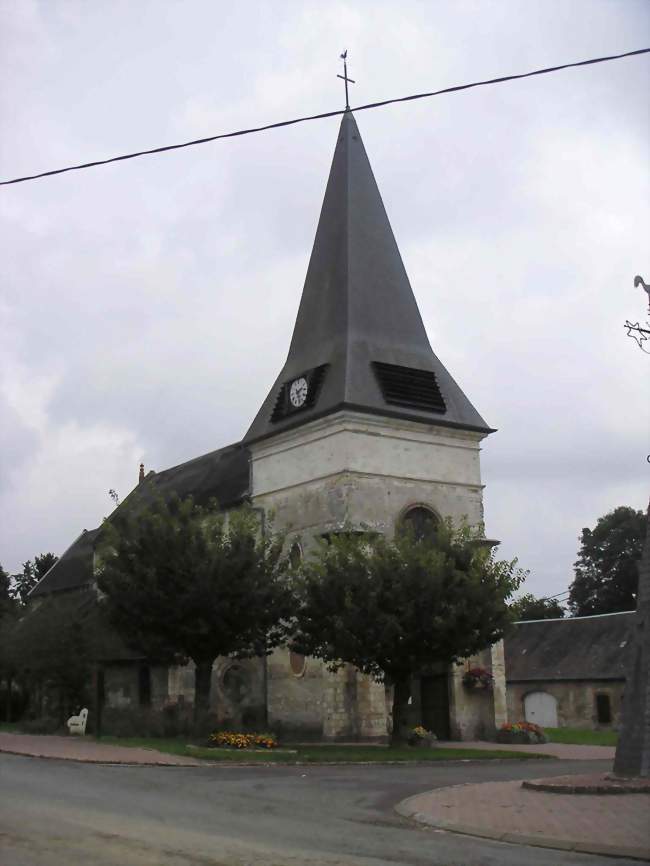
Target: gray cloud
{"x":146,"y":307}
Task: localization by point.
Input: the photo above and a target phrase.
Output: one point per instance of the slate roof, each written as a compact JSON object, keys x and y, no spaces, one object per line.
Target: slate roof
{"x":580,"y":648}
{"x":358,"y":309}
{"x":73,"y":569}
{"x":223,"y":475}
{"x":80,"y":607}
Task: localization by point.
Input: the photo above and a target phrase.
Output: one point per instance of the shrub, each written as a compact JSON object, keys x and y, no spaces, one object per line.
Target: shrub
{"x":236,"y":740}
{"x":172,"y":720}
{"x":521,"y":732}
{"x":43,"y":725}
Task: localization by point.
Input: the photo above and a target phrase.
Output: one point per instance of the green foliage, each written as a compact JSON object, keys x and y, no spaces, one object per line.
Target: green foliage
{"x":582,"y":737}
{"x":5,"y":595}
{"x":31,"y":574}
{"x":529,"y":607}
{"x":606,"y":571}
{"x":320,"y":754}
{"x":391,"y":607}
{"x":181,"y":579}
{"x":50,"y":650}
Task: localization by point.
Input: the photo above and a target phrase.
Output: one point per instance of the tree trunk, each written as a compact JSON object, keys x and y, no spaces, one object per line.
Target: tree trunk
{"x":202,"y":683}
{"x":10,"y":682}
{"x":401,"y":694}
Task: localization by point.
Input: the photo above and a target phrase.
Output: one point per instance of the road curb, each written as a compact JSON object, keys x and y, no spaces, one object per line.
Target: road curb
{"x":408,"y":809}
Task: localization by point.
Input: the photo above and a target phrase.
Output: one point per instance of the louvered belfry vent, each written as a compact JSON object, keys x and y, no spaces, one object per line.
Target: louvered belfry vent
{"x":406,"y":386}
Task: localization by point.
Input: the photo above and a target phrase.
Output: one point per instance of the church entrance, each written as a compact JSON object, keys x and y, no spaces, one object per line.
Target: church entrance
{"x":434,"y":697}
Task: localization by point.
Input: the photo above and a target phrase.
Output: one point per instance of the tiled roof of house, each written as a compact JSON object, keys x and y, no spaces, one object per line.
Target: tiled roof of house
{"x":574,"y":648}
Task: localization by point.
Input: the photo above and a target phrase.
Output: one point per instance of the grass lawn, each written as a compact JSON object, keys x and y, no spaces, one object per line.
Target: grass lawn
{"x":11,"y":727}
{"x":317,"y":754}
{"x":583,"y":738}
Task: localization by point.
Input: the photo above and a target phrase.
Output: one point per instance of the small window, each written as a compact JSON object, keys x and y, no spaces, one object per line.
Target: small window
{"x":603,"y":710}
{"x":298,"y":663}
{"x":421,"y":521}
{"x":144,"y":686}
{"x":295,"y":555}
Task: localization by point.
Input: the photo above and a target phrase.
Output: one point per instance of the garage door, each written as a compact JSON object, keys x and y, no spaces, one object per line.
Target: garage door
{"x":541,"y":708}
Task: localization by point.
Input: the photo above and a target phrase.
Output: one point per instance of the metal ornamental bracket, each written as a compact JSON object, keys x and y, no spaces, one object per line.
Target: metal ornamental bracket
{"x":636,"y":330}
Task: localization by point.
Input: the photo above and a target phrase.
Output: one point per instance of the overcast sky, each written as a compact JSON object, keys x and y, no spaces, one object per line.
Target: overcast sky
{"x":146,"y":307}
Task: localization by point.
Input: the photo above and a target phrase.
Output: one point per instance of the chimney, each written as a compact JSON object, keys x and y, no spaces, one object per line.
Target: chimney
{"x":141,"y":476}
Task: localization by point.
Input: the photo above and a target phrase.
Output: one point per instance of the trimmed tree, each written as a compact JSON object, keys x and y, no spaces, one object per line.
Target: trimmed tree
{"x":7,"y":618}
{"x":392,"y":607}
{"x":50,"y":652}
{"x":183,"y":580}
{"x":529,"y":607}
{"x":606,"y":571}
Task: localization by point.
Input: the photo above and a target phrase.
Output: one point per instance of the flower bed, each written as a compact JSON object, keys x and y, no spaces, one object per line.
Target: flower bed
{"x":521,"y":732}
{"x":236,"y":740}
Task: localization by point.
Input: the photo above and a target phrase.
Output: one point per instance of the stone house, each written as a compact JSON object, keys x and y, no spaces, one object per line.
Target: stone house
{"x":363,"y":427}
{"x":568,"y":672}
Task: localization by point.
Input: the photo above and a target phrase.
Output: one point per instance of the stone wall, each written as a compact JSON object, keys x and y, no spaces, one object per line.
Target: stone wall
{"x":353,"y":468}
{"x":295,"y":697}
{"x":476,"y":714}
{"x":576,"y":701}
{"x":356,"y":470}
{"x":121,"y":687}
{"x":237,"y":691}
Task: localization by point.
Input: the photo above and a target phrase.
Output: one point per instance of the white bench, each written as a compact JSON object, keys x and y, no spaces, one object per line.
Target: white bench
{"x":77,"y":724}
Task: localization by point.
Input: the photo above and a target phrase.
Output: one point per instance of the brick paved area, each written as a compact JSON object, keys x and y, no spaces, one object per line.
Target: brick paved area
{"x":89,"y":750}
{"x":600,"y":824}
{"x":592,"y":783}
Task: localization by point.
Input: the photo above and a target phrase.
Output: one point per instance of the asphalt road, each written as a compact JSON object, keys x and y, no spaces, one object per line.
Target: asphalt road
{"x":58,"y":813}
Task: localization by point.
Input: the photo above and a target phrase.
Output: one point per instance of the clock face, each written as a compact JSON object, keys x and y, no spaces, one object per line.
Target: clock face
{"x":298,"y":392}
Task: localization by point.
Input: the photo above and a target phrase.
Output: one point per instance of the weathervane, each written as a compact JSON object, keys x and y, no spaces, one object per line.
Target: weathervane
{"x":345,"y":78}
{"x":634,"y":329}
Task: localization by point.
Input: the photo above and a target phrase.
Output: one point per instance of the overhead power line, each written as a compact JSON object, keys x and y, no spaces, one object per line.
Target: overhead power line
{"x":501,"y":80}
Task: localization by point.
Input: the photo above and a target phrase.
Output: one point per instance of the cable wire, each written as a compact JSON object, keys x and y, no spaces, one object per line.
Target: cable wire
{"x":502,"y":79}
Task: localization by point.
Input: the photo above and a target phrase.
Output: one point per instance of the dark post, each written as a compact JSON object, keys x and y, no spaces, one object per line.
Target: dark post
{"x":633,"y":750}
{"x":98,"y":678}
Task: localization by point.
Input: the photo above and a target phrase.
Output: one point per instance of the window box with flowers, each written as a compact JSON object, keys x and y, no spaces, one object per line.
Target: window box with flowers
{"x":478,"y":678}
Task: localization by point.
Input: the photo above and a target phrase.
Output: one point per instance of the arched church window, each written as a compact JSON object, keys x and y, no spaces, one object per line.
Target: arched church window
{"x":421,"y":521}
{"x":235,"y":683}
{"x":297,"y":663}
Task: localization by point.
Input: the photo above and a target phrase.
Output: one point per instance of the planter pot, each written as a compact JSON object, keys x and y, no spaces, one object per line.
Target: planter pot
{"x":428,"y":742}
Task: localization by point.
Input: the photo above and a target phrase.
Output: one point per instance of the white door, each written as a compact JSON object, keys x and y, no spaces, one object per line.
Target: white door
{"x":541,"y":708}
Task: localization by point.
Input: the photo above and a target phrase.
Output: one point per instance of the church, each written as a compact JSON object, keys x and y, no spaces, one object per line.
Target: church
{"x":363,"y":427}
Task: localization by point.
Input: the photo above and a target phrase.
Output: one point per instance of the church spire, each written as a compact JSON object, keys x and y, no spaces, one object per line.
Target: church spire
{"x":359,"y":341}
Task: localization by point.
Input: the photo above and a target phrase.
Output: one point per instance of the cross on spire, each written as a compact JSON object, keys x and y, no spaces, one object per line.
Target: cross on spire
{"x":345,"y":78}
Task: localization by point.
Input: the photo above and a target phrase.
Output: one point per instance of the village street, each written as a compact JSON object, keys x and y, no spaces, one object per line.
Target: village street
{"x":60,"y":813}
